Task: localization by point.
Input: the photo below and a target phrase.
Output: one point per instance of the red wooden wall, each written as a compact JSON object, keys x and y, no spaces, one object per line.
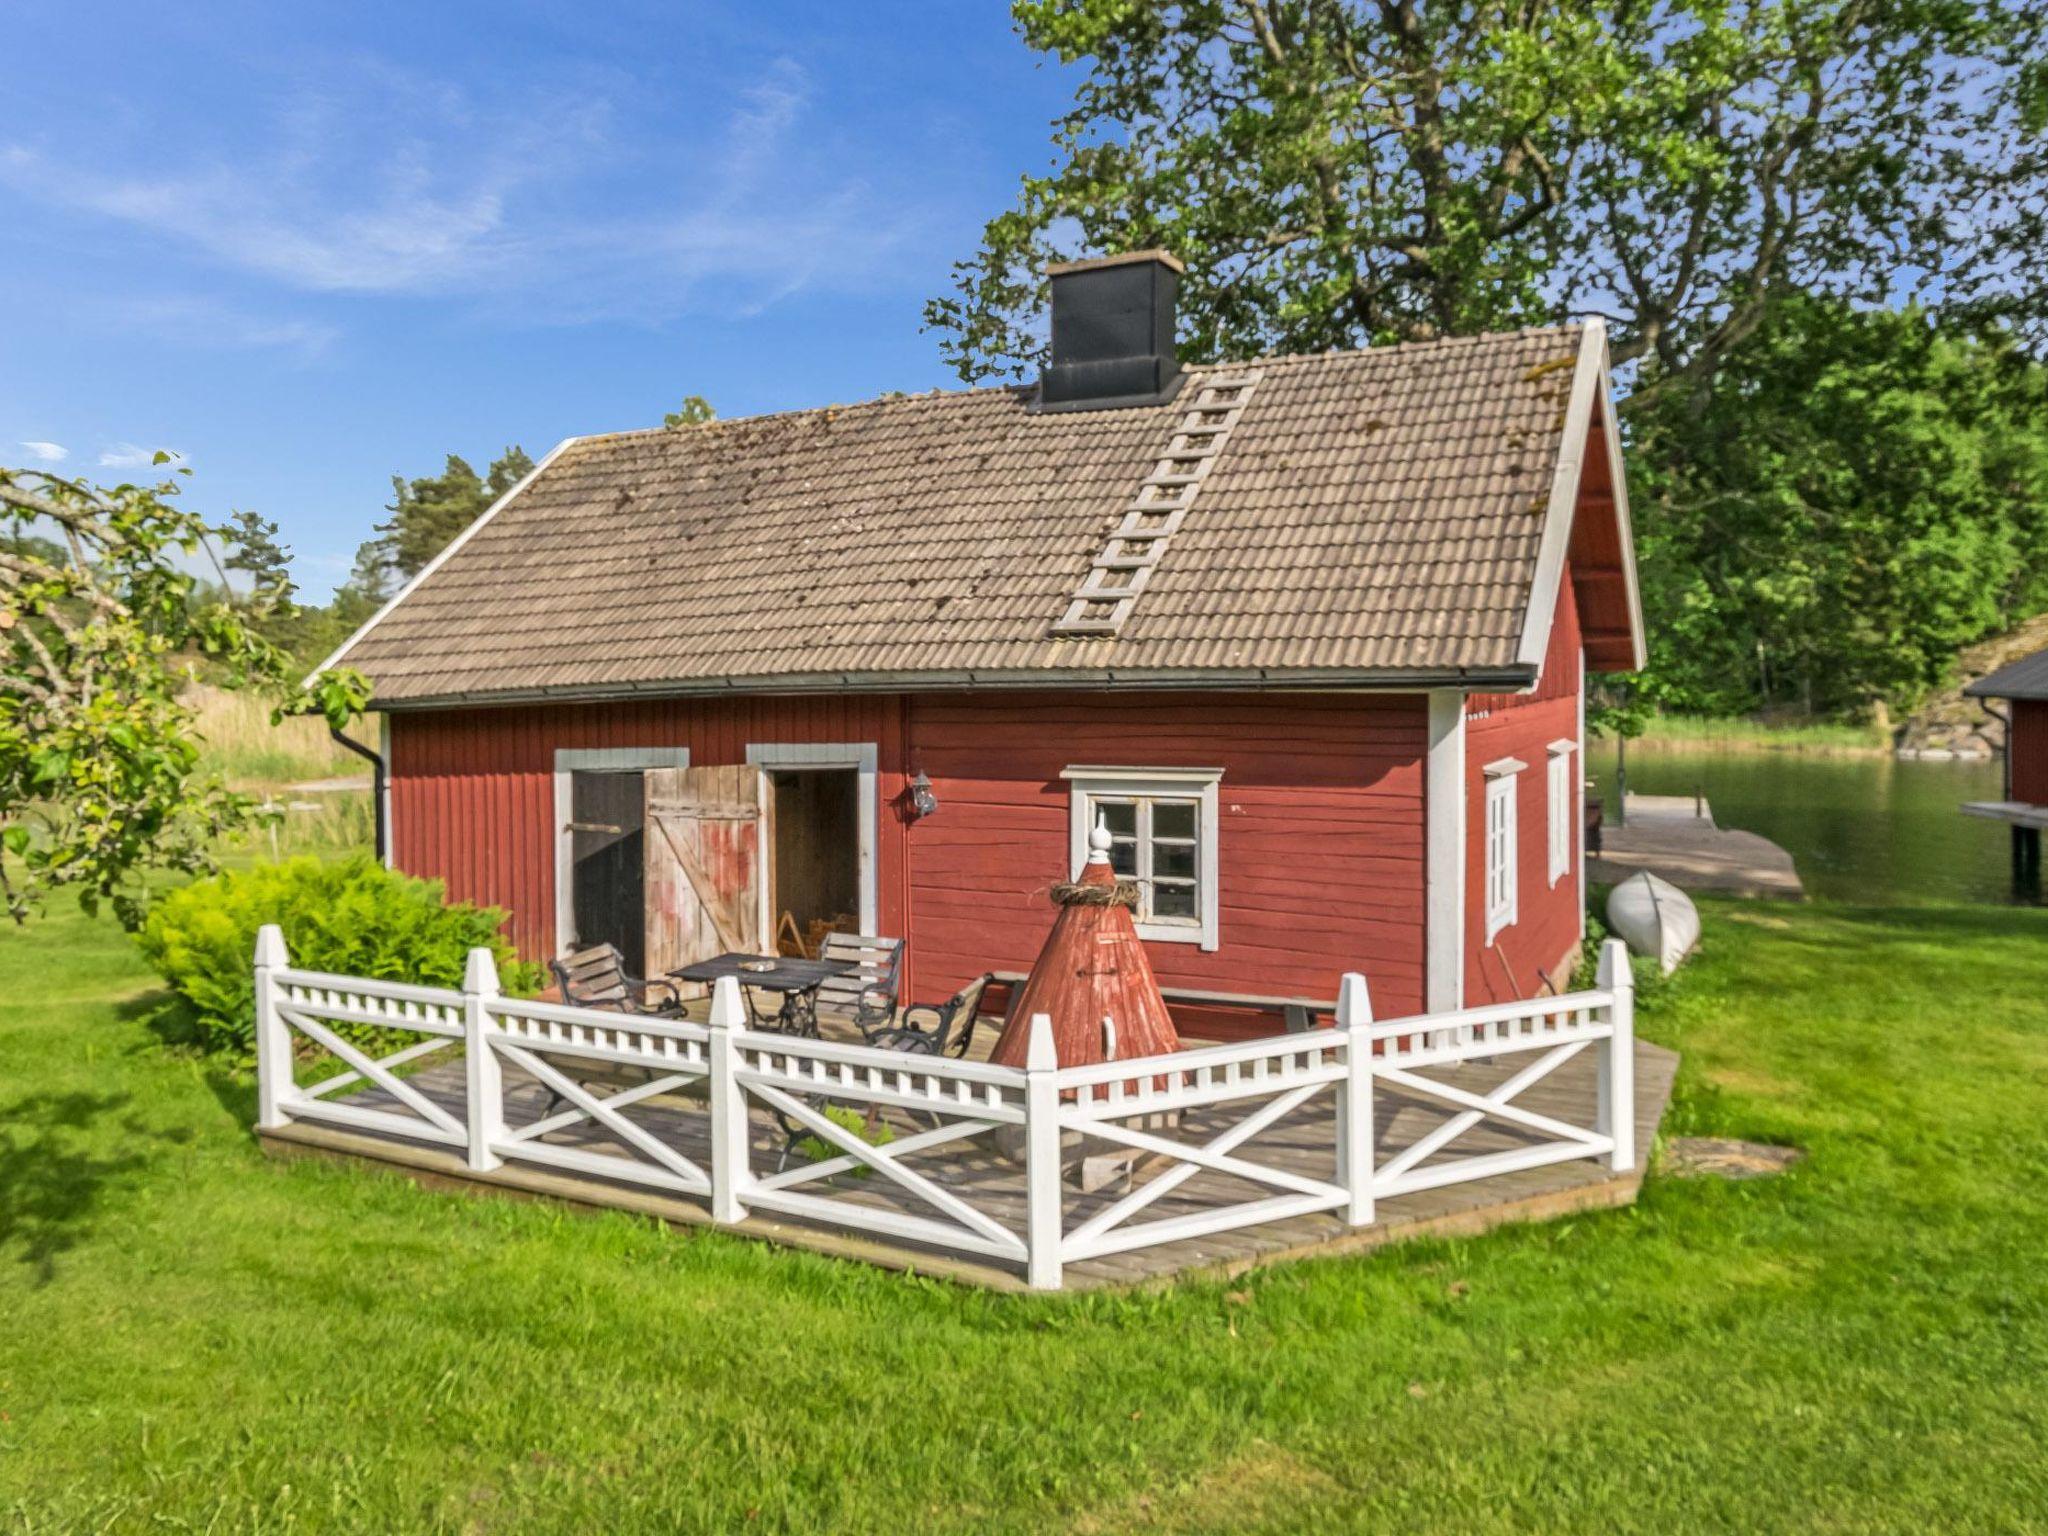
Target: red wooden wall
{"x":472,"y":791}
{"x":1320,"y":817}
{"x":1550,"y":920}
{"x":2028,"y":750}
{"x":1319,"y":840}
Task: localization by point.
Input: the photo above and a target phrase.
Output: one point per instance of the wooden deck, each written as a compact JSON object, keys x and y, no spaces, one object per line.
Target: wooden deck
{"x":978,"y":1172}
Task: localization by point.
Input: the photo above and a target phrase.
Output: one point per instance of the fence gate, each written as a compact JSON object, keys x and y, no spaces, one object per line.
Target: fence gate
{"x":707,"y":830}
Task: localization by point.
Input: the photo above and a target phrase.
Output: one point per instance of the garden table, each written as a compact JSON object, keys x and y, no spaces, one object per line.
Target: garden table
{"x":796,"y":980}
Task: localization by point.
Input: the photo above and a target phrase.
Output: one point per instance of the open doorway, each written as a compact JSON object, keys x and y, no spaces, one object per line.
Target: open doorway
{"x":815,"y":875}
{"x":607,"y":864}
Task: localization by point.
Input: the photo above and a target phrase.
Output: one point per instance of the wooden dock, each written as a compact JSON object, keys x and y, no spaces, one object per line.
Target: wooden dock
{"x":980,"y":1173}
{"x":1674,"y":836}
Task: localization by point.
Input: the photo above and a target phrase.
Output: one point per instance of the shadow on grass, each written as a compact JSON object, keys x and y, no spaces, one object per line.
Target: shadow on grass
{"x":170,"y":1018}
{"x":52,"y":1175}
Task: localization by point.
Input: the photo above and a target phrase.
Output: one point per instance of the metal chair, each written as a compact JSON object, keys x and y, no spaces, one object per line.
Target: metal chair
{"x":596,"y":978}
{"x":864,"y":997}
{"x":938,"y":1029}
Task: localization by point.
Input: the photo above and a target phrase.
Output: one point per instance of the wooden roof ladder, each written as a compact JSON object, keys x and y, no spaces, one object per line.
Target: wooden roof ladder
{"x":1134,"y":548}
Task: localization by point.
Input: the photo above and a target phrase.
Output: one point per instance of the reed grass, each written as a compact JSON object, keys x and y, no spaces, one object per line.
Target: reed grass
{"x":1695,"y":733}
{"x":239,"y":742}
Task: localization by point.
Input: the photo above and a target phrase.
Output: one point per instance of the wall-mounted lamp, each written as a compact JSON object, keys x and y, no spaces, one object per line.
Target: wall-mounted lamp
{"x":923,"y":800}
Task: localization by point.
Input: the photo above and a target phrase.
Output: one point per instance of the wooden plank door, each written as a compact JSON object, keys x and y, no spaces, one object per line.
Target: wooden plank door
{"x":707,"y":829}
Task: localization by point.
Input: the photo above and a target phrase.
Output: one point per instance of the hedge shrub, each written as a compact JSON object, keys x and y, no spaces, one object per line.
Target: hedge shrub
{"x":354,"y":917}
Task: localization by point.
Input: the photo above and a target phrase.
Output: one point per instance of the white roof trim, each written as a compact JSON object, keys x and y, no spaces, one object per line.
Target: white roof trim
{"x":1502,"y":767}
{"x":433,"y":565}
{"x":1591,"y":383}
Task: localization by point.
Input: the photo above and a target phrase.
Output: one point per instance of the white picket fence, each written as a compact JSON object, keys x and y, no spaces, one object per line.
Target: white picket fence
{"x":1036,"y":1117}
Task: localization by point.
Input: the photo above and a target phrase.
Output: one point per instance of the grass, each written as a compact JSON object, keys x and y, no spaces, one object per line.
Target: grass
{"x":241,"y":743}
{"x":1696,"y":732}
{"x":199,"y":1338}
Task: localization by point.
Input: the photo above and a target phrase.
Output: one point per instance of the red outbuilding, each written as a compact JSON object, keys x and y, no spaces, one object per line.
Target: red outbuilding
{"x":2023,"y":688}
{"x":1308,"y":634}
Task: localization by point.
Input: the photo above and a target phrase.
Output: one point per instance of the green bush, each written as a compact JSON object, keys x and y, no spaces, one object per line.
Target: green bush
{"x":847,"y":1118}
{"x":351,"y":916}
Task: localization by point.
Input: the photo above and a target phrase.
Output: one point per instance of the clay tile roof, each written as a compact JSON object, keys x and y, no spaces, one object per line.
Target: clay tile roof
{"x":1374,"y":513}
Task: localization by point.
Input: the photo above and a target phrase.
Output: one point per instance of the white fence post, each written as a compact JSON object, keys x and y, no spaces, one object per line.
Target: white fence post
{"x":1615,"y":1114}
{"x":276,"y":1086}
{"x":485,"y":1074}
{"x":1354,"y":1100}
{"x":1044,"y":1221}
{"x":731,"y":1156}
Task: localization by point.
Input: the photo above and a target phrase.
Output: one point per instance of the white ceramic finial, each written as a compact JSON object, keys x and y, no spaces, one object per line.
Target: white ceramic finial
{"x":1098,"y":842}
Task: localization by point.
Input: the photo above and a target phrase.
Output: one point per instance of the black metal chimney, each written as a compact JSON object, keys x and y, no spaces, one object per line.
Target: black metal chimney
{"x":1112,"y":333}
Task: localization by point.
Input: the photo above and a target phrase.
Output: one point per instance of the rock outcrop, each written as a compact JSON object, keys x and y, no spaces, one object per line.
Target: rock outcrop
{"x":1949,"y":725}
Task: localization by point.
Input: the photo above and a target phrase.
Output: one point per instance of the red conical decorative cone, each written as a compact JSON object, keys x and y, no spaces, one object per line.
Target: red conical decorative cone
{"x":1093,"y":967}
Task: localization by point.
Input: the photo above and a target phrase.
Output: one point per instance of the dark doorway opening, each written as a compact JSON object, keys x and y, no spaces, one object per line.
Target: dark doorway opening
{"x":817,"y":852}
{"x":607,"y":863}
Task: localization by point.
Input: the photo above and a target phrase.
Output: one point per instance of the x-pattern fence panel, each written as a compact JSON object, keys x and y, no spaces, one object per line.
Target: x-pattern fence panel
{"x":982,"y":1157}
{"x":407,"y":1023}
{"x":953,"y":1102}
{"x":592,"y":1073}
{"x":1264,"y":1082}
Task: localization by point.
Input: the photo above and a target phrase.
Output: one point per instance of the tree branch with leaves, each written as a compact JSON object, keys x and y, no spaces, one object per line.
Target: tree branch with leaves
{"x":1340,"y":173}
{"x":101,"y":782}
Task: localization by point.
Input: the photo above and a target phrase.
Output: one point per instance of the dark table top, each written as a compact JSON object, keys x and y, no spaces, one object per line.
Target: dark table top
{"x":788,"y":976}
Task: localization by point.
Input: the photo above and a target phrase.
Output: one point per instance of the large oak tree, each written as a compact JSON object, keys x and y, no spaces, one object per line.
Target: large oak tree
{"x":1343,"y":172}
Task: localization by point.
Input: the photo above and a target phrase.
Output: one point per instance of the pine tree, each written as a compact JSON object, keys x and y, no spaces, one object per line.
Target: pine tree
{"x":426,"y":514}
{"x":253,"y":548}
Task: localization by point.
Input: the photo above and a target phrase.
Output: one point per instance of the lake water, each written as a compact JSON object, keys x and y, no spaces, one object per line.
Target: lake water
{"x":1862,"y":829}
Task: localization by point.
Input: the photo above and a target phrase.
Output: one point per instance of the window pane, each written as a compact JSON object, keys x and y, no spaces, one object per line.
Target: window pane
{"x":1175,"y":860}
{"x":1122,"y":816}
{"x":1173,"y":818}
{"x":1123,"y":857}
{"x":1173,"y":901}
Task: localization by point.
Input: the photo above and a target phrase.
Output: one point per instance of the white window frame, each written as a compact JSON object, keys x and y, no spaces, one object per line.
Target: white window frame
{"x":1562,"y":821}
{"x":1502,"y":830}
{"x":592,"y":760}
{"x":1086,"y":784}
{"x":861,"y":757}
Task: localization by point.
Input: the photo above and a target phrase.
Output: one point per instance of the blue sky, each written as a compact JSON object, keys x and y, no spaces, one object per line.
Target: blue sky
{"x":307,"y":246}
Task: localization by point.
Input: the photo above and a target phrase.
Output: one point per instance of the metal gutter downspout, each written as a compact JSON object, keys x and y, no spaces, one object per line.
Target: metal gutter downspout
{"x":380,"y":790}
{"x":2004,"y":718}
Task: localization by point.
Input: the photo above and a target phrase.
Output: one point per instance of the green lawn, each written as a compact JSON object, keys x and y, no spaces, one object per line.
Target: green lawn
{"x":194,"y":1337}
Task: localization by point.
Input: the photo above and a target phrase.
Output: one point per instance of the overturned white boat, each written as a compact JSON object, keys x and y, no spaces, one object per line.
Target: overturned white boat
{"x":1654,"y":917}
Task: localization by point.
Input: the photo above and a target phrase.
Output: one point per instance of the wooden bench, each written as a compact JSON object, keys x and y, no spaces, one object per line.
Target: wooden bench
{"x":1297,"y":1015}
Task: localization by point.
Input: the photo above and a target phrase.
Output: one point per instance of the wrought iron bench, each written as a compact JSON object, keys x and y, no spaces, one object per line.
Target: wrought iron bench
{"x":938,"y":1029}
{"x":1297,"y":1014}
{"x":597,"y":978}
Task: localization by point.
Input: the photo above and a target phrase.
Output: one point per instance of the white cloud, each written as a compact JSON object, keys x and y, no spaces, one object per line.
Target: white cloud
{"x":378,"y":182}
{"x":48,"y":453}
{"x":199,"y":321}
{"x":130,"y":456}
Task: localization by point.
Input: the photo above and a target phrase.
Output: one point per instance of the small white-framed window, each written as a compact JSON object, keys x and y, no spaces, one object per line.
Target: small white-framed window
{"x":1501,"y":873}
{"x":1560,"y":808}
{"x":1162,"y":830}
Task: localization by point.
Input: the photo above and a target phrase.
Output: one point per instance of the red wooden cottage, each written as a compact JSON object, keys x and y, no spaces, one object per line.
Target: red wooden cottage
{"x":2023,"y":687}
{"x":1310,"y":633}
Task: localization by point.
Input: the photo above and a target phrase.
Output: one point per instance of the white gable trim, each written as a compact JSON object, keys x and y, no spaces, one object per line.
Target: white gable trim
{"x":435,"y":564}
{"x":1591,"y":384}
